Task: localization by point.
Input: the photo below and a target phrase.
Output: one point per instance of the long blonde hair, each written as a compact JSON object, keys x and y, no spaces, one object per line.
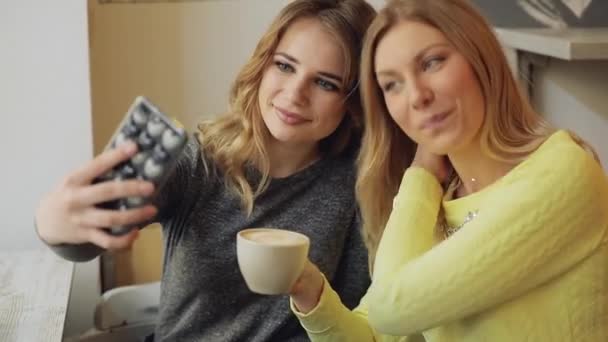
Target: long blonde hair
{"x":512,"y":129}
{"x":237,"y":139}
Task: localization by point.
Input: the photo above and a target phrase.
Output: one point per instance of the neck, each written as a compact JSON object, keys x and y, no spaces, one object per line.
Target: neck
{"x":287,"y":159}
{"x":475,"y":169}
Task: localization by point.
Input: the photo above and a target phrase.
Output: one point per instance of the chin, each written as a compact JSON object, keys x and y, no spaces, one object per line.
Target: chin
{"x":444,"y":144}
{"x":283,"y":135}
{"x":440,"y":150}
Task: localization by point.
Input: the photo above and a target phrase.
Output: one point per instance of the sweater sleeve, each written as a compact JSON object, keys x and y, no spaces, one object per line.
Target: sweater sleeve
{"x":547,"y":218}
{"x":331,"y":321}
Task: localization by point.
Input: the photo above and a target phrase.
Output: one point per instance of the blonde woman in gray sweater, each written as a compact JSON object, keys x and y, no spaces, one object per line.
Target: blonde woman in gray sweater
{"x":283,"y":157}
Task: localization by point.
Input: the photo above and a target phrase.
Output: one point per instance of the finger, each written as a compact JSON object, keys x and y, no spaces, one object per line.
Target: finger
{"x":102,"y":164}
{"x":102,"y":218}
{"x":110,"y":242}
{"x":112,"y":190}
{"x":302,"y":278}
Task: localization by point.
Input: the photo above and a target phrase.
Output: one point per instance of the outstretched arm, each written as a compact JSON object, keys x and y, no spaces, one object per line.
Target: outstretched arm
{"x":331,"y":321}
{"x":68,"y":220}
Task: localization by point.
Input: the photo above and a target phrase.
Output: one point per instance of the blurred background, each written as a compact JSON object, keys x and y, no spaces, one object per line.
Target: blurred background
{"x":545,"y":13}
{"x":70,"y":69}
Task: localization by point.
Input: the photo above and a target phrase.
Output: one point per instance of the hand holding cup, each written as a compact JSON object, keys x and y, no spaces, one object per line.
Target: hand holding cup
{"x":271,"y":260}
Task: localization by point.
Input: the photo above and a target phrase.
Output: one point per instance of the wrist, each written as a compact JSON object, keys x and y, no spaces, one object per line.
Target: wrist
{"x":41,"y":234}
{"x":439,"y":174}
{"x":307,"y":296}
{"x":38,"y":234}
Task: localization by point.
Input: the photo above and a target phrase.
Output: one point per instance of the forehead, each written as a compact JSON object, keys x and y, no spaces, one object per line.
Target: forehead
{"x":403,"y":41}
{"x":313,"y":45}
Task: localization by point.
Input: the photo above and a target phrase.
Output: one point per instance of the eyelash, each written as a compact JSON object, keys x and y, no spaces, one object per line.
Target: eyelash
{"x":323,"y":83}
{"x":284,"y":67}
{"x":326,"y":85}
{"x":427,"y":64}
{"x":388,"y":87}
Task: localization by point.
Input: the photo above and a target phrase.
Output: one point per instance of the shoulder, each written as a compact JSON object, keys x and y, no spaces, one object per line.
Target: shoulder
{"x":196,"y":150}
{"x":194,"y":160}
{"x":561,"y":163}
{"x":562,"y":154}
{"x":193,"y":147}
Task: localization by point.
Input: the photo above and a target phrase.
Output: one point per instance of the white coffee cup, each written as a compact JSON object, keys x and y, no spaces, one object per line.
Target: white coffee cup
{"x":271,"y":260}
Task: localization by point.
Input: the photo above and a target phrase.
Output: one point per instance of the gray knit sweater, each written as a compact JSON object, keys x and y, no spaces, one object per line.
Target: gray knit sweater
{"x":203,"y":295}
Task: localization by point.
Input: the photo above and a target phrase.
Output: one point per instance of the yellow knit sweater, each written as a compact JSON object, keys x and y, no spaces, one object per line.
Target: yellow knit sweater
{"x":531,"y":266}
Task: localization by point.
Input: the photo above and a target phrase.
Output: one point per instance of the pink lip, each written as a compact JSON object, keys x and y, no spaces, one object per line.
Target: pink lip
{"x":288,"y":117}
{"x":436,"y":120}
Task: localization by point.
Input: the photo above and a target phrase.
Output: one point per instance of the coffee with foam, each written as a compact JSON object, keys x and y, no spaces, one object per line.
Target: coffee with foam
{"x":270,"y":259}
{"x":274,"y":237}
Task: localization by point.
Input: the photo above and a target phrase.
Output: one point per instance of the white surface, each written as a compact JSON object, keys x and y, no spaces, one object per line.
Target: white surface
{"x":130,"y":333}
{"x":34,"y":291}
{"x":573,"y":95}
{"x":44,"y":106}
{"x":46,"y":122}
{"x":567,"y":44}
{"x":128,"y":305}
{"x":578,"y":7}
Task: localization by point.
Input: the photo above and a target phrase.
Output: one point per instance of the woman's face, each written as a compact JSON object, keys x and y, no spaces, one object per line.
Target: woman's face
{"x":301,"y":95}
{"x":429,"y":88}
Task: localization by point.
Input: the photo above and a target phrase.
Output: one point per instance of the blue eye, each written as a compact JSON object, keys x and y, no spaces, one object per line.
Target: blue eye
{"x":388,"y":87}
{"x":326,"y":85}
{"x":432,"y":63}
{"x":284,"y":67}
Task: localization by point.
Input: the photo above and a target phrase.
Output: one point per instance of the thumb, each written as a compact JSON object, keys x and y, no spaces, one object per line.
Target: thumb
{"x":300,"y":283}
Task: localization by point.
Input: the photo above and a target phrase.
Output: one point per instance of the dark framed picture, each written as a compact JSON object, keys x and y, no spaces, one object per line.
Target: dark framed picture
{"x":545,"y":13}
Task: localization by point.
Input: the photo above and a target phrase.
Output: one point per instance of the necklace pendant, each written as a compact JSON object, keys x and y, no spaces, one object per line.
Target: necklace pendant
{"x":448,"y":231}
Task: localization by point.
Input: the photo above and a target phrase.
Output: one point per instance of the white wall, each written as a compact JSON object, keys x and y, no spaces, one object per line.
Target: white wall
{"x":574,"y":95}
{"x":46,"y":121}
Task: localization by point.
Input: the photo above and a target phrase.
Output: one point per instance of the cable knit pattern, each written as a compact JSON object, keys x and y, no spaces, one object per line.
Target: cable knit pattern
{"x":532,"y":266}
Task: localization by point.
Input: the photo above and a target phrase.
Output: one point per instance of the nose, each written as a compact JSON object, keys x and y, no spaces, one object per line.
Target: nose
{"x":421,"y":96}
{"x":296,"y":90}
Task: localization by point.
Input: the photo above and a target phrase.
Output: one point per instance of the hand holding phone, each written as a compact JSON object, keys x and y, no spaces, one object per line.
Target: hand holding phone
{"x":114,"y":192}
{"x":160,"y":140}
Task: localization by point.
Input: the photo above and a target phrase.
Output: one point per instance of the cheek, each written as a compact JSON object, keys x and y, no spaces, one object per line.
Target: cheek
{"x":464,"y":85}
{"x":331,"y":110}
{"x":262,"y":94}
{"x":326,"y":105}
{"x":398,"y":112}
{"x":474,"y":103}
{"x":267,"y":84}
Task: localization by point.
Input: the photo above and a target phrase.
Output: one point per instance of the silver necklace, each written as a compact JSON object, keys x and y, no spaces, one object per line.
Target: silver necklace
{"x":452,"y":188}
{"x":448,"y":231}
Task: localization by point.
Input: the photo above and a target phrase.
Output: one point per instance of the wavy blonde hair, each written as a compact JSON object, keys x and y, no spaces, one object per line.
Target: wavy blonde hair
{"x":237,"y":139}
{"x":512,"y":129}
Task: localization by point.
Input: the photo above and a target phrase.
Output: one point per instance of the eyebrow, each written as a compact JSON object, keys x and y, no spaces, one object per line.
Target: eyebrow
{"x":416,"y":58}
{"x":322,"y":73}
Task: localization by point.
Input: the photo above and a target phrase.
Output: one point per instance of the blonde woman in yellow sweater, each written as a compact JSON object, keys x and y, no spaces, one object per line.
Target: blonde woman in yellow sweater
{"x":499,"y":221}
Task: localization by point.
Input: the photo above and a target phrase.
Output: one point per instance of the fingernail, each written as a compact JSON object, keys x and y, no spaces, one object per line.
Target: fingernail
{"x":153,"y":210}
{"x":129,"y":147}
{"x":146,"y":188}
